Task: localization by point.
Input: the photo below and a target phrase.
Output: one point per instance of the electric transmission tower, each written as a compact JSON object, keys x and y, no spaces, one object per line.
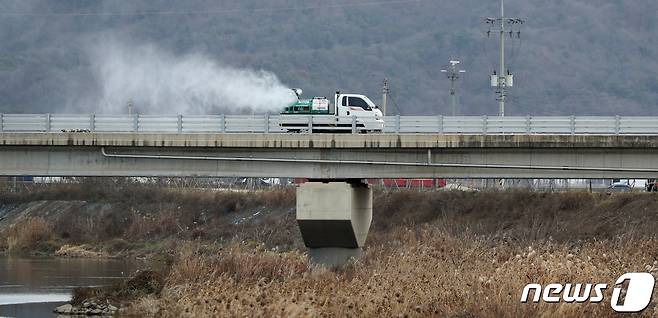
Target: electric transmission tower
{"x":453,"y":74}
{"x":504,"y":78}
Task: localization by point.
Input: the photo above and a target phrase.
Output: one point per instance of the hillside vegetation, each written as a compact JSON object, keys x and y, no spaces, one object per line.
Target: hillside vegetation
{"x":578,"y":57}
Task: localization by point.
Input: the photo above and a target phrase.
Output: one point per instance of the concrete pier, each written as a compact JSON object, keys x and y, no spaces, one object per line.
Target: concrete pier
{"x":334,"y":219}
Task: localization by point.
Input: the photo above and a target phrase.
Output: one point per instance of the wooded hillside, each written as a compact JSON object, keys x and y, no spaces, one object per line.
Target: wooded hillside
{"x":580,"y":57}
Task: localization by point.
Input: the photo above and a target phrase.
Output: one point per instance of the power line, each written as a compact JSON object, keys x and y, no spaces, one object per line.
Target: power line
{"x":385,"y":91}
{"x":390,"y":95}
{"x":396,"y":105}
{"x":206,"y":12}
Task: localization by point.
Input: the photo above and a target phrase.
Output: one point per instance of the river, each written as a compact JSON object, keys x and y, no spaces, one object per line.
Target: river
{"x":34,"y":287}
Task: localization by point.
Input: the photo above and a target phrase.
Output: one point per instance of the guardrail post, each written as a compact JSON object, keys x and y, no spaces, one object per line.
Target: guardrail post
{"x":353,"y":124}
{"x":310,"y":124}
{"x":136,"y":123}
{"x":222,"y":123}
{"x":267,"y":123}
{"x":485,"y":124}
{"x":48,"y":122}
{"x":573,"y":125}
{"x":180,"y":123}
{"x":441,"y":119}
{"x":528,"y":125}
{"x":92,"y":122}
{"x":397,"y":124}
{"x":617,"y":125}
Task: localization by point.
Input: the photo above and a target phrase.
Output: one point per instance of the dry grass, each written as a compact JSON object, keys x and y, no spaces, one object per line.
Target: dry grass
{"x":26,"y":234}
{"x":119,"y":216}
{"x":239,"y":262}
{"x":425,"y":273}
{"x":522,"y":216}
{"x":131,"y":193}
{"x":143,"y":284}
{"x":431,"y":254}
{"x":81,"y":251}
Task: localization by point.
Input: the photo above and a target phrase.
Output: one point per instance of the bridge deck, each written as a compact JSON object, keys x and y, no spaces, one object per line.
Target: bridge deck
{"x":326,"y":141}
{"x":328,"y":156}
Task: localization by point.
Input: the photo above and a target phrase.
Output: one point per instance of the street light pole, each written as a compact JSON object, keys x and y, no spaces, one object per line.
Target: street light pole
{"x":453,"y":74}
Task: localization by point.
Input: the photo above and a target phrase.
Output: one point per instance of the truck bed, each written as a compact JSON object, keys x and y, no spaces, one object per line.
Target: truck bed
{"x":320,"y":123}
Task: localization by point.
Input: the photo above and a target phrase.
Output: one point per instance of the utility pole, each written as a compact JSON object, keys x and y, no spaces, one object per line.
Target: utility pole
{"x":385,"y":91}
{"x":130,"y":107}
{"x":504,"y":78}
{"x":453,"y":75}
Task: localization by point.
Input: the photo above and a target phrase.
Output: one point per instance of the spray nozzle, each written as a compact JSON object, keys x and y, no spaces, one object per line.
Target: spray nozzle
{"x":298,"y":92}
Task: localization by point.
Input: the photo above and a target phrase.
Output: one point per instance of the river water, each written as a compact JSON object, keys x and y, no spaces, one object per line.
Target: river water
{"x":34,"y":287}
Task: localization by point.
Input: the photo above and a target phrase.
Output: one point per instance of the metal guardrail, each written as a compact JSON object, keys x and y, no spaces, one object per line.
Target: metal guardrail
{"x":479,"y":125}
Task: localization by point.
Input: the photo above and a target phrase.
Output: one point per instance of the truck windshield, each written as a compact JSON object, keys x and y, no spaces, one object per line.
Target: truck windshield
{"x":358,"y":102}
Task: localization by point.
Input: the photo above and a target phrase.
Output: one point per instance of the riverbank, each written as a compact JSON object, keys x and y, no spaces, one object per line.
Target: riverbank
{"x":32,"y":287}
{"x":102,"y":219}
{"x":429,"y":253}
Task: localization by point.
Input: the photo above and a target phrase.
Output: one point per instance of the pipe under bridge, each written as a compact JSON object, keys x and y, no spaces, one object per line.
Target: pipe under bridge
{"x":334,"y":214}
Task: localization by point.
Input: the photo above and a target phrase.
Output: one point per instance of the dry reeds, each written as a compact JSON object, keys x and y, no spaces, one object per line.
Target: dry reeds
{"x":432,"y":254}
{"x":431,"y":273}
{"x":26,"y":234}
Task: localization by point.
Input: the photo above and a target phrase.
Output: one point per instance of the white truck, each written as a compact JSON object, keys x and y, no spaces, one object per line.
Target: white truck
{"x":348,"y":113}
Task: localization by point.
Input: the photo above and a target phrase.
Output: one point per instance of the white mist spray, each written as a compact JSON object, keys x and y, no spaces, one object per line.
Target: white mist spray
{"x":158,"y":82}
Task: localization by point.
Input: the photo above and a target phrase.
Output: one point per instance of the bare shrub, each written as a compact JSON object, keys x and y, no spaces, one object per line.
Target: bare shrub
{"x":154,"y":226}
{"x":142,"y":284}
{"x":26,"y":235}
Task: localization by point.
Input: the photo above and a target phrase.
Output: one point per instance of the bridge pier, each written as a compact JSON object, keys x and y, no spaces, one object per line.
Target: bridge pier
{"x":334,"y":219}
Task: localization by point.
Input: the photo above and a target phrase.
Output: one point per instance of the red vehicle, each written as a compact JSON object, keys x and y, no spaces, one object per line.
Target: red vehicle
{"x":400,"y":183}
{"x":410,"y":183}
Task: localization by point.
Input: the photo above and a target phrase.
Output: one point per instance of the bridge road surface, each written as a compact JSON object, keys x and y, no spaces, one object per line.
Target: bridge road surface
{"x":328,"y":156}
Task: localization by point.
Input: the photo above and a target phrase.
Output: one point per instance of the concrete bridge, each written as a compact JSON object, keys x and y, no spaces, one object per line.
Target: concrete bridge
{"x":327,"y":156}
{"x":333,"y":213}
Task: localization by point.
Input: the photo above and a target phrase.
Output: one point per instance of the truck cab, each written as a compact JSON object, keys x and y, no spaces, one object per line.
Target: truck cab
{"x":356,"y":105}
